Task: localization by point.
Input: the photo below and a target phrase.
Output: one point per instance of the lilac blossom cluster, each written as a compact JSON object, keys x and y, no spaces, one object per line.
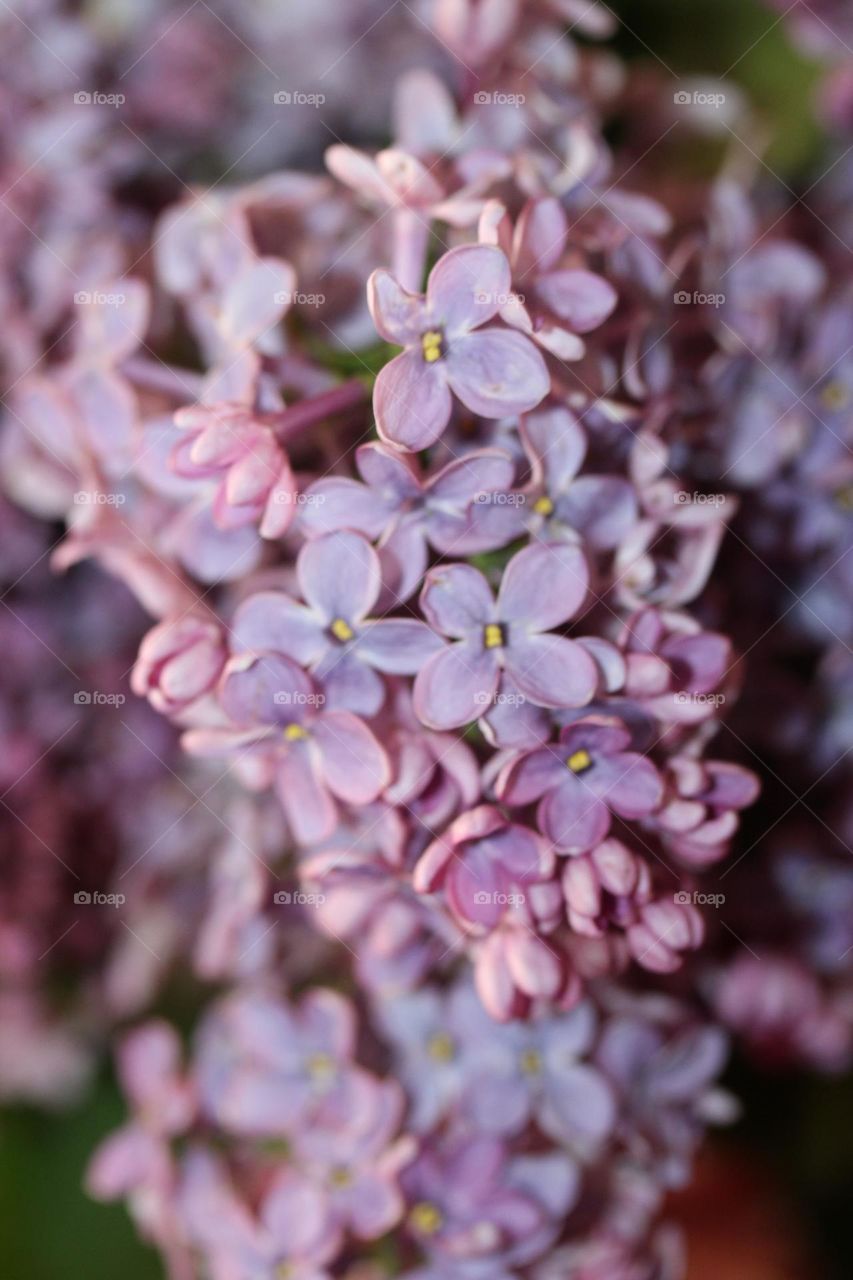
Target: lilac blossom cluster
{"x":420,"y":469}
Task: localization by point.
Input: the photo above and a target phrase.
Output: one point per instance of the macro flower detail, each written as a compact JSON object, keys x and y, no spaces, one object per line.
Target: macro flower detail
{"x":339,"y":575}
{"x":542,"y":587}
{"x":492,"y":371}
{"x":314,"y":759}
{"x":580,"y":780}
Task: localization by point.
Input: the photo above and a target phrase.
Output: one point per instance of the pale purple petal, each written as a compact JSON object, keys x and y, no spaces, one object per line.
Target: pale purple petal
{"x":543,"y":586}
{"x":339,"y":576}
{"x":455,"y":686}
{"x":466,"y":286}
{"x":399,"y":316}
{"x":271,"y":620}
{"x":457,"y":600}
{"x":308,"y":807}
{"x":496,"y":372}
{"x":551,"y":670}
{"x":411,"y":401}
{"x":399,"y":646}
{"x":353,"y":763}
{"x":573,"y":816}
{"x":581,"y":298}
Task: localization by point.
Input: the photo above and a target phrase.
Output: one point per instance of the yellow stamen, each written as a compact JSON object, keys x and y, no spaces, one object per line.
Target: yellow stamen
{"x":441,"y":1048}
{"x":284,"y":1271}
{"x":844,"y":497}
{"x":320,"y":1066}
{"x":580,"y":760}
{"x":294,"y":733}
{"x":426,"y":1218}
{"x":340,"y":1177}
{"x":531,"y":1062}
{"x":341,"y":630}
{"x":493,"y":636}
{"x":835,"y":395}
{"x":543,"y":506}
{"x":431,"y":345}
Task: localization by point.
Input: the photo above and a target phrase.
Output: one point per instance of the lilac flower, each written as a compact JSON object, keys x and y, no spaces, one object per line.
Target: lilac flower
{"x":601,"y":508}
{"x":700,"y":810}
{"x":469,"y":1200}
{"x":493,"y":371}
{"x":289,"y":1236}
{"x":580,"y":780}
{"x":552,"y":304}
{"x":179,"y":662}
{"x":533,"y":1070}
{"x":353,"y":1157}
{"x":339,"y":577}
{"x":482,"y":863}
{"x":449,"y":510}
{"x":265,"y":1069}
{"x":256,"y":485}
{"x":313,"y":758}
{"x":542,"y":587}
{"x":665,"y":927}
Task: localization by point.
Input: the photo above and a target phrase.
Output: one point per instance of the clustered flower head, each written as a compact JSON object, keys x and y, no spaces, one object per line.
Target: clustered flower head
{"x":411,"y":465}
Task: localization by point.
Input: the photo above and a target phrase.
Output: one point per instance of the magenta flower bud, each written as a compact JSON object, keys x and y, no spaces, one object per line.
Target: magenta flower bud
{"x":179,"y":662}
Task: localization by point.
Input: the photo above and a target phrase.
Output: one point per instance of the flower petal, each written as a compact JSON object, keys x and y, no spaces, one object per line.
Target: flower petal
{"x":496,"y":372}
{"x":339,"y":576}
{"x":399,"y":646}
{"x":272,"y":621}
{"x":455,"y":686}
{"x":466,"y":286}
{"x":399,"y":316}
{"x":411,"y":401}
{"x":353,"y":763}
{"x":573,"y":816}
{"x":581,"y":298}
{"x":552,"y":671}
{"x":543,"y":586}
{"x":457,"y":600}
